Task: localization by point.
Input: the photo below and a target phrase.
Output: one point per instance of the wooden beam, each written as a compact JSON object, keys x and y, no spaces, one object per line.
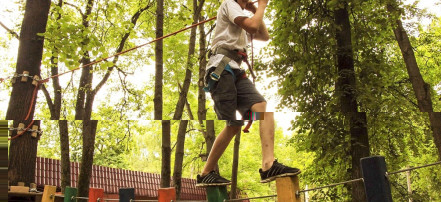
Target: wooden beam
{"x":287,"y":188}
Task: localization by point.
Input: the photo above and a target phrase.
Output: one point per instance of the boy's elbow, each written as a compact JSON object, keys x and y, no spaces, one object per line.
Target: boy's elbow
{"x":252,"y":29}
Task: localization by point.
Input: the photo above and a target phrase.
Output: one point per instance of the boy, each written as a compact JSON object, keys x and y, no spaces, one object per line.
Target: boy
{"x":231,"y":90}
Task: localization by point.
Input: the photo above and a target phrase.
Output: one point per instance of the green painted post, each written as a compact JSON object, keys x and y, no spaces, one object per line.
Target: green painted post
{"x":217,"y":193}
{"x":68,"y":193}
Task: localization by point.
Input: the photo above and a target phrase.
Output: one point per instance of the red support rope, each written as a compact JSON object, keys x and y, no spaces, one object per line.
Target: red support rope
{"x":34,"y":95}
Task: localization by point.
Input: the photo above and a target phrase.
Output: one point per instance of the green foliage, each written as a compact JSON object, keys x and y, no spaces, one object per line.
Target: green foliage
{"x":302,"y":53}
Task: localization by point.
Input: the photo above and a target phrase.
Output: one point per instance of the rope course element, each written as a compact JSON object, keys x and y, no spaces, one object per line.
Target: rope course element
{"x":29,"y":130}
{"x":330,"y":185}
{"x":412,"y":168}
{"x":78,"y":197}
{"x":22,"y":132}
{"x":258,"y":197}
{"x":34,"y":97}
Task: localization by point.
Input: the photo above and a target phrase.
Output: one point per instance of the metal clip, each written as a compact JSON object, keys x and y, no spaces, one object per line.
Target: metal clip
{"x":214,"y":76}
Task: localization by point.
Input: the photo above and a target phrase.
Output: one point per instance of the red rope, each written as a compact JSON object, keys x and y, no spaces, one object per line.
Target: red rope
{"x":34,"y":94}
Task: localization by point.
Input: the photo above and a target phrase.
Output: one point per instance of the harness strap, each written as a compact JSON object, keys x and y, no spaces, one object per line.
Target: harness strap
{"x":232,"y":54}
{"x":216,"y":74}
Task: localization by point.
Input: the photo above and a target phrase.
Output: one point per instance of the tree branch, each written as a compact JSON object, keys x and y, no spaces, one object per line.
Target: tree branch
{"x":76,"y":7}
{"x":120,"y":48}
{"x":14,"y":34}
{"x":48,"y":98}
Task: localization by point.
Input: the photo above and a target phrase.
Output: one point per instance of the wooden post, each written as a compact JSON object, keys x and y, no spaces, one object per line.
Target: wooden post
{"x":14,"y":79}
{"x":287,"y":188}
{"x":95,"y":194}
{"x":126,"y":194}
{"x":48,"y":193}
{"x":216,"y":193}
{"x":34,"y":134}
{"x":375,"y":180}
{"x":35,"y":80}
{"x":20,"y":128}
{"x":166,"y":194}
{"x":24,"y":78}
{"x":69,"y":192}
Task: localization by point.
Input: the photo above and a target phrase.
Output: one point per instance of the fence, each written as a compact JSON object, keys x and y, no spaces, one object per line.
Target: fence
{"x":48,"y":172}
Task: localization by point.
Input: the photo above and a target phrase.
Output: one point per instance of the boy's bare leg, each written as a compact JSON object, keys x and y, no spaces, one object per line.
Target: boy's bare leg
{"x":266,"y":135}
{"x":219,"y":146}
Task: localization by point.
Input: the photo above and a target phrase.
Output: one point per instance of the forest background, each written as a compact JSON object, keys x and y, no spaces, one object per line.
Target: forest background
{"x":298,"y":71}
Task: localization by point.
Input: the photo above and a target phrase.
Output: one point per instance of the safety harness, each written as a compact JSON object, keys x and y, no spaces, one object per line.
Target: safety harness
{"x":238,"y":56}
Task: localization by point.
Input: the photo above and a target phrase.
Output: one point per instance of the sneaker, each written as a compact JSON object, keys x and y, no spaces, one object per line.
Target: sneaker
{"x":211,"y":179}
{"x":277,"y":170}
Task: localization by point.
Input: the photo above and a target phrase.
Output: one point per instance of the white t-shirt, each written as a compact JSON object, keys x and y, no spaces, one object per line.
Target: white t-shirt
{"x":227,"y":34}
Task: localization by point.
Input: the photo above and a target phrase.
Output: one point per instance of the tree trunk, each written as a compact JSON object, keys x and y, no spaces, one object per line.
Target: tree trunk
{"x":22,"y":157}
{"x":166,"y":154}
{"x":233,"y":192}
{"x":179,"y":157}
{"x":187,"y":105}
{"x":85,"y":85}
{"x":157,"y":100}
{"x":209,"y":138}
{"x":86,"y":95}
{"x":208,"y":131}
{"x":89,"y":131}
{"x":348,"y":100}
{"x":23,"y":150}
{"x":202,"y":110}
{"x":30,"y":52}
{"x":420,"y":87}
{"x":65,"y":157}
{"x":4,"y":163}
{"x":55,"y":106}
{"x":191,"y":49}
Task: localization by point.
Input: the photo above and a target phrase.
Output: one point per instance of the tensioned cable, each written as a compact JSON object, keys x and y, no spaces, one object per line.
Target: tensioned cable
{"x":241,"y":199}
{"x":413,"y":168}
{"x":330,"y":185}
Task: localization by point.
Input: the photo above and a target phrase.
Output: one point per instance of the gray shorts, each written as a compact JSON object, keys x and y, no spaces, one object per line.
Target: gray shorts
{"x":230,"y":95}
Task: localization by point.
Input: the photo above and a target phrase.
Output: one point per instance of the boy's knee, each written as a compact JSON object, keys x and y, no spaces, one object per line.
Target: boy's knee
{"x":233,"y":130}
